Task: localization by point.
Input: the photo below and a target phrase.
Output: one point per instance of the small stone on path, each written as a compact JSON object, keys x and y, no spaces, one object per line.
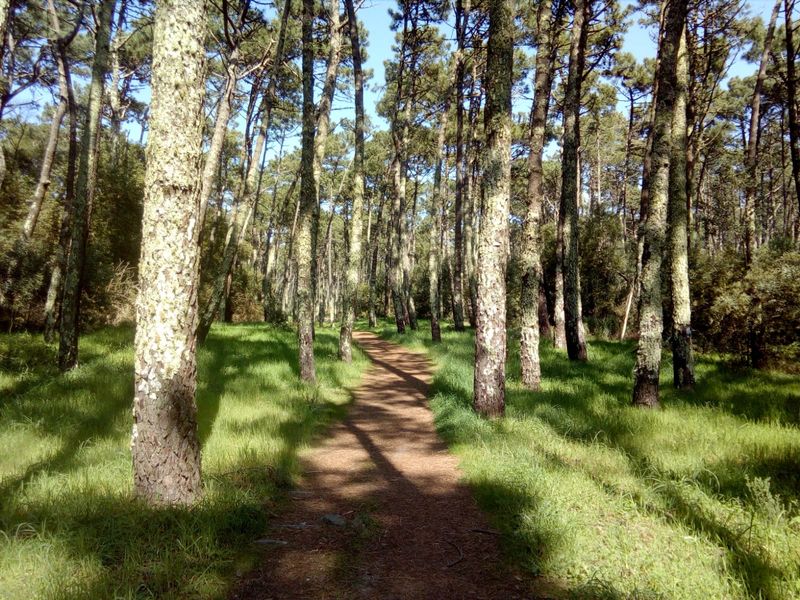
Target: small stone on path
{"x":337,"y":520}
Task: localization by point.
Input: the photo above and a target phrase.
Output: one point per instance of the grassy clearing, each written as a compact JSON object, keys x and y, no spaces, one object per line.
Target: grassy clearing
{"x":69,"y":526}
{"x":698,"y":500}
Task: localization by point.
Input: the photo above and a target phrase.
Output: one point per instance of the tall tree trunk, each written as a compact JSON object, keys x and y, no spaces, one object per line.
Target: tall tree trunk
{"x":470,"y":192}
{"x":576,"y":345}
{"x":490,"y":336}
{"x":751,"y":151}
{"x":373,"y":263}
{"x":84,"y":192}
{"x":648,"y":355}
{"x":682,"y":359}
{"x":166,"y":450}
{"x":308,"y":200}
{"x":350,"y":292}
{"x":224,"y":108}
{"x":248,"y":192}
{"x":323,"y":127}
{"x":409,"y":259}
{"x":530,"y":252}
{"x":435,"y":253}
{"x":462,"y":18}
{"x":52,"y":302}
{"x":791,"y":86}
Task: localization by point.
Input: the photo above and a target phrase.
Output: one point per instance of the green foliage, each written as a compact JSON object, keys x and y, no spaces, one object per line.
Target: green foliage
{"x":69,"y":526}
{"x":729,"y":300}
{"x":696,"y":501}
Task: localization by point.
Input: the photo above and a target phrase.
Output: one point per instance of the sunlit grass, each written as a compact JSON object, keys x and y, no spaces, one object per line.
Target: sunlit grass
{"x":69,"y":526}
{"x":697,"y":500}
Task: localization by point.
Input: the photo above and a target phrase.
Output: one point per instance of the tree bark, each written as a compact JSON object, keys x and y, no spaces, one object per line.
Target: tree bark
{"x":84,"y":193}
{"x":350,"y":292}
{"x":681,"y":339}
{"x":308,"y":200}
{"x":648,"y":355}
{"x":530,"y":252}
{"x":576,"y":345}
{"x":490,"y":336}
{"x":166,"y":450}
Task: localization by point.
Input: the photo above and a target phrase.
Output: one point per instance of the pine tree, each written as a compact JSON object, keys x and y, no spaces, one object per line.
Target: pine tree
{"x":166,"y":450}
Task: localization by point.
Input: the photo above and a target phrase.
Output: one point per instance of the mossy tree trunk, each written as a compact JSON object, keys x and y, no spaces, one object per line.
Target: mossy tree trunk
{"x":84,"y":192}
{"x":648,"y":354}
{"x":568,"y":213}
{"x":308,"y":199}
{"x":166,"y":450}
{"x":350,"y":292}
{"x":681,"y":339}
{"x":490,"y":336}
{"x":530,"y":252}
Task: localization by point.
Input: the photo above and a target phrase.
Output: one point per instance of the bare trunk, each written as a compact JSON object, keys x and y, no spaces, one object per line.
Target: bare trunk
{"x":308,"y":200}
{"x":682,"y":358}
{"x":751,"y":151}
{"x":576,"y":345}
{"x":791,"y":86}
{"x":166,"y":450}
{"x":84,"y":192}
{"x":435,"y":253}
{"x":490,"y":335}
{"x":530,"y":252}
{"x":648,"y":355}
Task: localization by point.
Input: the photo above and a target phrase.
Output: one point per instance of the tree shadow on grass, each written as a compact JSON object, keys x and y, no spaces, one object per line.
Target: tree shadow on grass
{"x":589,"y":404}
{"x":75,"y":506}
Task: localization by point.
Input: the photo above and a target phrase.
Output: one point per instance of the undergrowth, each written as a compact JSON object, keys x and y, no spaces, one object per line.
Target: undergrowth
{"x":69,"y":525}
{"x":698,"y":500}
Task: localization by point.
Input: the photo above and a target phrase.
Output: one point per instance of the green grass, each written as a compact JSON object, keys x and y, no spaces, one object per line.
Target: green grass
{"x":697,"y":500}
{"x":69,"y":526}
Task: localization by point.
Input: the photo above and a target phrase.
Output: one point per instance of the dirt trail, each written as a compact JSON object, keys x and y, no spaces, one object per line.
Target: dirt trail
{"x":410,"y":525}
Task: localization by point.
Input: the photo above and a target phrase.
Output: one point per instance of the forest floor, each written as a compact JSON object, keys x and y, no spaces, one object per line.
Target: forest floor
{"x":698,"y":500}
{"x":381,"y":511}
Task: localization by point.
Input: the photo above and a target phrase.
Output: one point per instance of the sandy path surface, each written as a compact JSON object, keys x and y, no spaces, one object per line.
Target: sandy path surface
{"x":404,"y":525}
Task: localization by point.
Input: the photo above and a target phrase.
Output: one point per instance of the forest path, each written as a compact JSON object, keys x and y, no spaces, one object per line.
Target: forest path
{"x":404,"y":525}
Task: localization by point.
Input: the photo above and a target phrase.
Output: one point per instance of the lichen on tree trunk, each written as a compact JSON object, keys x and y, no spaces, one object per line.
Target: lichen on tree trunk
{"x":648,"y":354}
{"x":490,"y":335}
{"x":681,"y":338}
{"x":165,"y":447}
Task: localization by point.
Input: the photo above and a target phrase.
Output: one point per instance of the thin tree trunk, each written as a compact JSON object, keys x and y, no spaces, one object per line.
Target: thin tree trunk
{"x":84,"y":192}
{"x":52,"y":302}
{"x":648,"y":355}
{"x":435,"y":253}
{"x":791,"y":86}
{"x":308,"y":200}
{"x":248,"y":192}
{"x":751,"y":156}
{"x":576,"y":345}
{"x":350,"y":292}
{"x":322,"y":128}
{"x":166,"y":450}
{"x":462,"y":18}
{"x":530,"y":252}
{"x":490,"y":336}
{"x":682,"y":358}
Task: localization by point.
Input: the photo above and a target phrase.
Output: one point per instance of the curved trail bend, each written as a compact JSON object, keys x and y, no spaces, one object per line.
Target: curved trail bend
{"x":409,"y":523}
